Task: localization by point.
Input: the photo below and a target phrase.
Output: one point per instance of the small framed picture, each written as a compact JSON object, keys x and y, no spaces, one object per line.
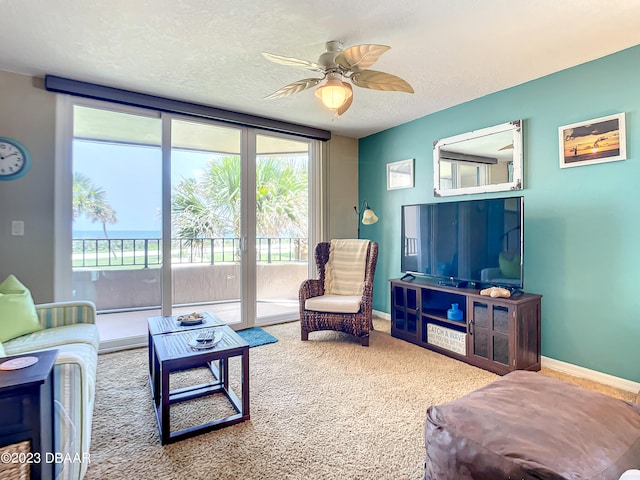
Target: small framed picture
{"x":594,"y":141}
{"x":400,"y":174}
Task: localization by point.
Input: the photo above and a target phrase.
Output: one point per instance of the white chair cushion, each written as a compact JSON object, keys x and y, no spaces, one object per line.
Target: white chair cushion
{"x":334,"y":303}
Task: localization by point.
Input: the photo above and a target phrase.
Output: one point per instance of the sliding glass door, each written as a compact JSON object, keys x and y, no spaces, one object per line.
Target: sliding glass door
{"x":175,"y":214}
{"x":116,"y":169}
{"x":282,"y":225}
{"x":206,"y":218}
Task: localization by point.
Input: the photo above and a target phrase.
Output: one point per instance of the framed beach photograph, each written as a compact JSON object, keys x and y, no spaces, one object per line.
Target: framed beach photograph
{"x":594,"y":141}
{"x":400,"y":174}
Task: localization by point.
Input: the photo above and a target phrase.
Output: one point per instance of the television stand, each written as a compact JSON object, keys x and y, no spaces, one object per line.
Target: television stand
{"x":497,"y":334}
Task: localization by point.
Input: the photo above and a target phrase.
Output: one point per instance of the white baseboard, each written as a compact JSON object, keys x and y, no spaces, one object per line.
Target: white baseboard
{"x":593,"y":375}
{"x":383,"y":315}
{"x":108,"y":346}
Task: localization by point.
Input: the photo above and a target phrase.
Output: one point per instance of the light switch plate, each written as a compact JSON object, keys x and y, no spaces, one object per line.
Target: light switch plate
{"x":17,"y":228}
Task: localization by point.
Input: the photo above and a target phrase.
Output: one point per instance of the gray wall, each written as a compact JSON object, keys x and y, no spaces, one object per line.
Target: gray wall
{"x":342,"y":183}
{"x":27,"y":114}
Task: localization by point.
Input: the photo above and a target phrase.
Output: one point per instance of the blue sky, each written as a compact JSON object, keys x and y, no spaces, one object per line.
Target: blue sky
{"x":132,"y":177}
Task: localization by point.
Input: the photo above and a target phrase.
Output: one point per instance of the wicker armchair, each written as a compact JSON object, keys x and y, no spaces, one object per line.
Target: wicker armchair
{"x":359,"y":323}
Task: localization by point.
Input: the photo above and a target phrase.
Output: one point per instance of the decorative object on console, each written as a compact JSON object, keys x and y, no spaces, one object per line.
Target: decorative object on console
{"x":366,"y":216}
{"x":454,"y":313}
{"x":15,"y":159}
{"x":400,"y":174}
{"x":593,"y":141}
{"x":495,"y":292}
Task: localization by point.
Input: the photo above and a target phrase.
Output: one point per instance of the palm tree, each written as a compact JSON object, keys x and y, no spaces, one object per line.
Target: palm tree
{"x":91,"y":201}
{"x":281,"y":198}
{"x":209,"y":206}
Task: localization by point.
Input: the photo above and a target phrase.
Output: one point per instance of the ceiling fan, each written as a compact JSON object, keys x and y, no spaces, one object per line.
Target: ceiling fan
{"x":337,"y":65}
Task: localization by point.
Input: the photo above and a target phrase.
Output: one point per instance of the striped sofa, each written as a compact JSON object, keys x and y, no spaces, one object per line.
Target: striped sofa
{"x":70,"y":328}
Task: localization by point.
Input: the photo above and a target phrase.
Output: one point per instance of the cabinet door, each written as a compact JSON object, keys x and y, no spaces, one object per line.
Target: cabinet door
{"x":489,"y":329}
{"x":405,"y":312}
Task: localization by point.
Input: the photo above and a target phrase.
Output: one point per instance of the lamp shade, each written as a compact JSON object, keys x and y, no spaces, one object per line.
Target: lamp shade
{"x":369,"y":217}
{"x":333,"y":93}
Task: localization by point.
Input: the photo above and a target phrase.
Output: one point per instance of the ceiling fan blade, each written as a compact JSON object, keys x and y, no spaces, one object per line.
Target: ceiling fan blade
{"x":345,"y":106}
{"x":294,"y":87}
{"x":360,"y":56}
{"x":293,"y":62}
{"x":380,"y":81}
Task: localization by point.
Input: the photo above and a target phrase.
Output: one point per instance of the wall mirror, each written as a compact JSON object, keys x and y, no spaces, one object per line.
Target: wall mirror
{"x":485,"y":160}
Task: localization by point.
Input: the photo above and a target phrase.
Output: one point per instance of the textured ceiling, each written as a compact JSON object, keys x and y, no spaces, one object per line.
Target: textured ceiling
{"x":205,"y":51}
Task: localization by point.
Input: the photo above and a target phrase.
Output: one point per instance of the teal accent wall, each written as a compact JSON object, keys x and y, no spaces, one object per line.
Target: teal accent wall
{"x":582,"y":224}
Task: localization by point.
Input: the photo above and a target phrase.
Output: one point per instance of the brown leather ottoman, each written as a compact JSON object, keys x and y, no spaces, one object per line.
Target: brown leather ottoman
{"x":527,"y":426}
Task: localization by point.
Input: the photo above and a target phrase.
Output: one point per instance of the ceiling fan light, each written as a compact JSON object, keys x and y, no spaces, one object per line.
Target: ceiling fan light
{"x":333,"y":94}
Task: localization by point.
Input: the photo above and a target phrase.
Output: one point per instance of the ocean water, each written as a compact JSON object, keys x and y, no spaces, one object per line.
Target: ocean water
{"x":592,"y":156}
{"x":117,"y":234}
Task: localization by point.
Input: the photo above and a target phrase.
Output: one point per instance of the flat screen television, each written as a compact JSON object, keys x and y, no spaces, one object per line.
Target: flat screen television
{"x":479,"y":241}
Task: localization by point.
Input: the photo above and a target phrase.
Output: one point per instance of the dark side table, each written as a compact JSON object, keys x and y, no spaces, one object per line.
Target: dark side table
{"x":169,"y":351}
{"x":26,"y":414}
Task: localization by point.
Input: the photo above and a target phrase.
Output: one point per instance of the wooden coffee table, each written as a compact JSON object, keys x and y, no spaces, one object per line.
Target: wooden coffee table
{"x":169,"y":351}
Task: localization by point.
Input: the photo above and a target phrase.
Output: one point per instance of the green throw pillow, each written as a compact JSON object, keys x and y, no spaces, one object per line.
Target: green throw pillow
{"x":509,"y":264}
{"x":17,"y":312}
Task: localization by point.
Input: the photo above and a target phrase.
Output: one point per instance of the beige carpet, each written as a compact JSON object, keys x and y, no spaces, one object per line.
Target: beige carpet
{"x":323,"y":409}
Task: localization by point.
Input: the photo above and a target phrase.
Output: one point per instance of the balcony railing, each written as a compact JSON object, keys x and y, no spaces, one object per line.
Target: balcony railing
{"x":147,"y":252}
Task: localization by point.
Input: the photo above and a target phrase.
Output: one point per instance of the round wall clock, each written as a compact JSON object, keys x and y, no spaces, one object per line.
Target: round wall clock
{"x":15,"y":160}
